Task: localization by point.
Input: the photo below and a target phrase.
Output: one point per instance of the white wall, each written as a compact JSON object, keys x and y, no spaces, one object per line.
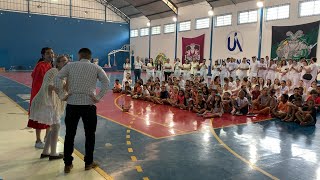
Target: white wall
{"x":165,"y":42}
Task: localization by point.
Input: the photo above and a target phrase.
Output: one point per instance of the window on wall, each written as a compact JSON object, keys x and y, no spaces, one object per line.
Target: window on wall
{"x":144,"y":31}
{"x":202,"y":23}
{"x":278,"y":12}
{"x":156,"y":30}
{"x":169,"y":28}
{"x":248,"y":17}
{"x":309,"y":8}
{"x":185,"y":26}
{"x":134,"y":33}
{"x":224,"y":20}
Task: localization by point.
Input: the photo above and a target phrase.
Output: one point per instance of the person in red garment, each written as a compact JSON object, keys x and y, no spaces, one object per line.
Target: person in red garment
{"x":37,"y":78}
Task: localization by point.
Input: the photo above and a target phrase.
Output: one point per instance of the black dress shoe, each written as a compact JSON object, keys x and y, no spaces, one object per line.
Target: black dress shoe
{"x":60,"y":156}
{"x":90,"y":166}
{"x":44,"y":156}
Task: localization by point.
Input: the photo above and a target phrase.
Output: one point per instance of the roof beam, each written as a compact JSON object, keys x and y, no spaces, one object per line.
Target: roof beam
{"x":124,"y":6}
{"x":171,"y":5}
{"x":114,"y":9}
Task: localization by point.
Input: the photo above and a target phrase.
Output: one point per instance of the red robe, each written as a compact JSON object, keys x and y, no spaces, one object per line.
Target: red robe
{"x":37,"y":79}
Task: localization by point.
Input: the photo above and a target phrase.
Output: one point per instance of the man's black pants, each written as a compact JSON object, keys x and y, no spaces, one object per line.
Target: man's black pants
{"x":88,"y":113}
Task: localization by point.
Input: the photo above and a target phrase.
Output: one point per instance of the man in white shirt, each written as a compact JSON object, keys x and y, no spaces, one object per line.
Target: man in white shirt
{"x":253,"y":67}
{"x":81,"y":99}
{"x":243,"y":69}
{"x":233,"y":65}
{"x":137,"y":69}
{"x":262,"y":66}
{"x":313,"y":70}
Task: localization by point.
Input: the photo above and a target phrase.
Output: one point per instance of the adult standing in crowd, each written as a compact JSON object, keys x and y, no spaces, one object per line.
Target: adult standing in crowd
{"x":81,"y":77}
{"x":253,"y":68}
{"x":243,"y":69}
{"x":127,"y":68}
{"x":46,"y":108}
{"x":176,"y":67}
{"x":150,"y":69}
{"x":137,"y":69}
{"x":167,"y":69}
{"x":37,"y":78}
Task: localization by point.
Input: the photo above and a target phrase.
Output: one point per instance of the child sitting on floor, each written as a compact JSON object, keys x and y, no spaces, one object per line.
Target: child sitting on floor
{"x":307,"y":116}
{"x":227,"y":102}
{"x":127,"y":89}
{"x":117,"y":87}
{"x":293,"y":108}
{"x":217,"y":109}
{"x":240,"y":104}
{"x":137,"y":91}
{"x":181,"y":100}
{"x":282,"y":109}
{"x":145,"y":93}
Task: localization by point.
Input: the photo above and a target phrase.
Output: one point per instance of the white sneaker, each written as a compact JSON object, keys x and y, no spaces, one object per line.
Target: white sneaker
{"x":39,"y":145}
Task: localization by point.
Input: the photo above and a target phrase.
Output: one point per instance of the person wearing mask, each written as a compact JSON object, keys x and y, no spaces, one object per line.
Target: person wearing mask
{"x":81,"y":99}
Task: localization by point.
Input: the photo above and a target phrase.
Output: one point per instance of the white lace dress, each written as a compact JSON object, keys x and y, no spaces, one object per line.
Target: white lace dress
{"x":46,"y":107}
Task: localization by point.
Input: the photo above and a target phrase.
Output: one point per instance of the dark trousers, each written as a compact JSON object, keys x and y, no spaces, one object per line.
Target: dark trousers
{"x":88,"y":113}
{"x":166,"y":75}
{"x":137,"y":74}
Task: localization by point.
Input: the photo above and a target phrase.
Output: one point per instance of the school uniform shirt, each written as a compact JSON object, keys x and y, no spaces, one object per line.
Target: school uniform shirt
{"x":157,"y":92}
{"x":243,"y":66}
{"x":314,"y":71}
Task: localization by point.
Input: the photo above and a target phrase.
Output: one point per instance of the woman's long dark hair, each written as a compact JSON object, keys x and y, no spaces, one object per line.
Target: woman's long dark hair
{"x":43,"y":52}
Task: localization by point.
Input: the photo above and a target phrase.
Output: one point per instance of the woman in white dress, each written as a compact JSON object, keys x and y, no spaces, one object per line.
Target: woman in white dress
{"x":295,"y":73}
{"x":127,"y":68}
{"x":224,"y":72}
{"x":150,"y":69}
{"x":215,"y":70}
{"x":167,"y":69}
{"x":243,"y":69}
{"x":186,"y":70}
{"x":176,"y":68}
{"x":271,"y":71}
{"x":158,"y":69}
{"x":284,"y":70}
{"x":47,"y":108}
{"x":203,"y":70}
{"x":194,"y":66}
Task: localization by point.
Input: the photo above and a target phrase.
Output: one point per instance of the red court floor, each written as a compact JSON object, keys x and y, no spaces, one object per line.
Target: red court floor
{"x":156,"y":121}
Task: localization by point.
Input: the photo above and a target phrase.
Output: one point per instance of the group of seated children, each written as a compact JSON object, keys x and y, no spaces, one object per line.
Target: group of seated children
{"x":214,"y":101}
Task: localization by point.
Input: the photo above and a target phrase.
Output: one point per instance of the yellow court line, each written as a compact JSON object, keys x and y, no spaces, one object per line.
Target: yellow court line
{"x":133,"y":158}
{"x":130,"y":150}
{"x":128,"y":143}
{"x":128,"y":136}
{"x":76,"y":152}
{"x":131,"y":122}
{"x":240,"y":157}
{"x":128,"y":131}
{"x":146,"y":178}
{"x":139,"y":169}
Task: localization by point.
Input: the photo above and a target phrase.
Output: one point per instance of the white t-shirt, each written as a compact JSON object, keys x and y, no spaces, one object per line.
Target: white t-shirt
{"x":167,"y":65}
{"x":146,"y":92}
{"x":243,"y":66}
{"x":254,"y":67}
{"x":262,"y":65}
{"x":314,"y":70}
{"x":137,"y":65}
{"x":149,"y":65}
{"x":241,"y":102}
{"x":186,"y":67}
{"x":283,"y":89}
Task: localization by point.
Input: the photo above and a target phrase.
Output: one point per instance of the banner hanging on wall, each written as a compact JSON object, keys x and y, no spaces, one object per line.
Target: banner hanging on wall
{"x":294,"y":42}
{"x":192,"y":48}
